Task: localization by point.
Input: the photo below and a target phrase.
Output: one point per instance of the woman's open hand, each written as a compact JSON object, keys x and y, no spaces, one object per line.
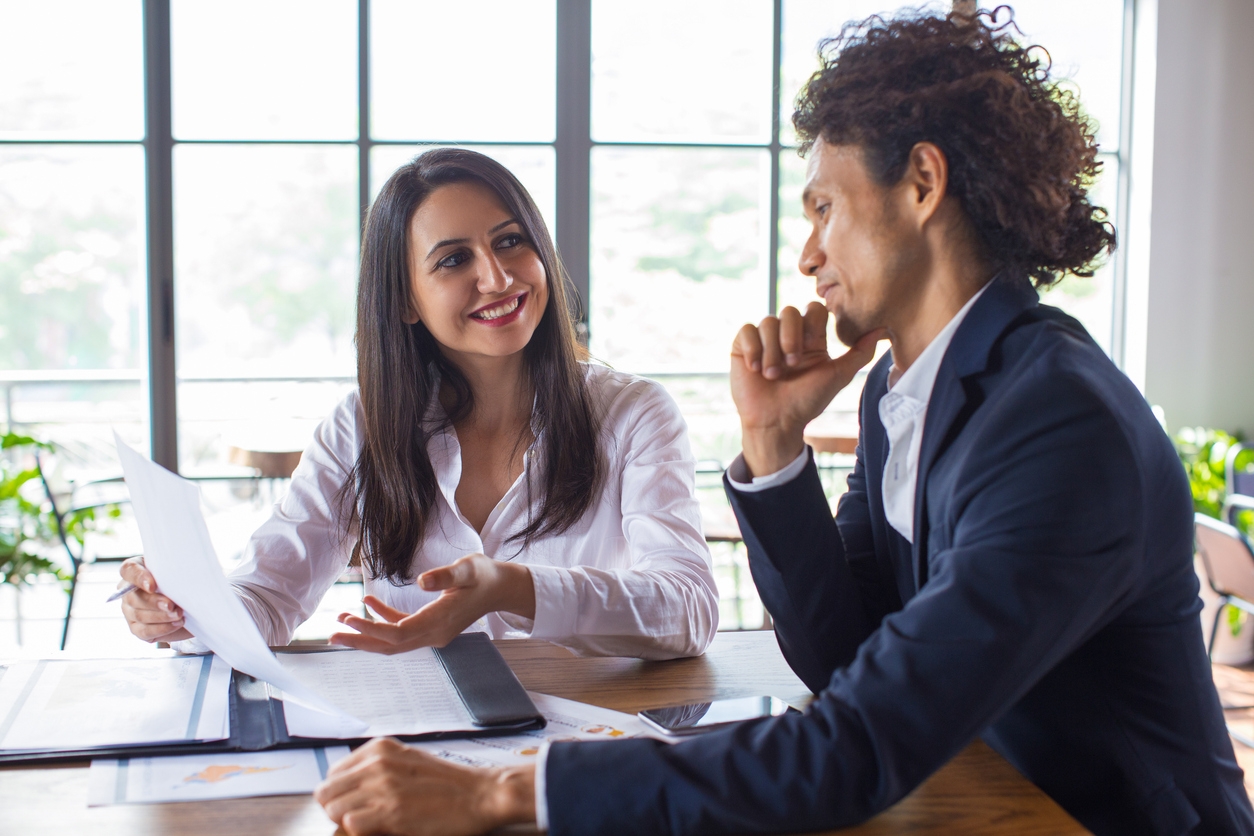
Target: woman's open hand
{"x":150,"y":615}
{"x":473,"y":586}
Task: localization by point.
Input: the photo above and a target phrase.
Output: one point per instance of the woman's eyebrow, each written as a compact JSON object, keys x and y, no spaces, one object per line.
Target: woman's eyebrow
{"x":450,"y":241}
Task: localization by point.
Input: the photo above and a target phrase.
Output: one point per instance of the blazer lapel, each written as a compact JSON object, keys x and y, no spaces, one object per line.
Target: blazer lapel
{"x":967,"y":354}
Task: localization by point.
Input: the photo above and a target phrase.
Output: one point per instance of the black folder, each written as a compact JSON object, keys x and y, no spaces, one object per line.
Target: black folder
{"x":493,"y":696}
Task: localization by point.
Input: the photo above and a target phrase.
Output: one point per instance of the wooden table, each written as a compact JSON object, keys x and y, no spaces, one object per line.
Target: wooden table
{"x":978,"y":793}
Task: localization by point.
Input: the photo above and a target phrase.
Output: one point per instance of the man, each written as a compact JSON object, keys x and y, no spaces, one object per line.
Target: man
{"x":1013,"y":558}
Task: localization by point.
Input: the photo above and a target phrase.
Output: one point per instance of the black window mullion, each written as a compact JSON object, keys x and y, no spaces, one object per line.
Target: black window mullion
{"x":574,"y":147}
{"x":159,"y":148}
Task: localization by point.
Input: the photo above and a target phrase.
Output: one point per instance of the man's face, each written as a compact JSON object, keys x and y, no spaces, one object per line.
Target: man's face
{"x":863,"y":253}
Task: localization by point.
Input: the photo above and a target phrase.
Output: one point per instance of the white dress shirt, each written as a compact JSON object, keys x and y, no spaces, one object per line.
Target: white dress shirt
{"x":903,"y":410}
{"x":632,"y":578}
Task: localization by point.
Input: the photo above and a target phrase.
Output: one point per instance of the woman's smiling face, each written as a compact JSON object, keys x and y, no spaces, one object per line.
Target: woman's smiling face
{"x":476,"y":281}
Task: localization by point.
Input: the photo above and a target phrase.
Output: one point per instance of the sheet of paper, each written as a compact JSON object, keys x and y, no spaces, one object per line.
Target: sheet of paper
{"x":567,"y":720}
{"x":408,"y":693}
{"x":178,"y":552}
{"x":73,"y":704}
{"x":203,"y":777}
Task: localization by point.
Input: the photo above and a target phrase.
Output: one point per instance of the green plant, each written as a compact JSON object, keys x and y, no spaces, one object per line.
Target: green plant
{"x":28,"y":528}
{"x":1204,"y":453}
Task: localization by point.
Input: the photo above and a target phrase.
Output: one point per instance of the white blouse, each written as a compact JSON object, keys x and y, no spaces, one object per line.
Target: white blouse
{"x":632,"y":578}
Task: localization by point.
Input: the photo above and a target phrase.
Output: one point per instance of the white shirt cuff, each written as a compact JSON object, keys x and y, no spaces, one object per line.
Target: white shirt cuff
{"x":190,"y":646}
{"x":542,"y":801}
{"x":557,"y":603}
{"x":738,"y":473}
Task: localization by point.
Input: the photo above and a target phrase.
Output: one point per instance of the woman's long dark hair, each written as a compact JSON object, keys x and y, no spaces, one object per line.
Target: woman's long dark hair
{"x":400,"y":371}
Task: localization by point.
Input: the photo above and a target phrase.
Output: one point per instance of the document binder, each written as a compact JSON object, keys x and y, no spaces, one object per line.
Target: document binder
{"x":493,"y":697}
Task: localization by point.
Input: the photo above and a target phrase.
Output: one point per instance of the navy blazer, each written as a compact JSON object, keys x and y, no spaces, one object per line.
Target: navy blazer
{"x":1047,"y":604}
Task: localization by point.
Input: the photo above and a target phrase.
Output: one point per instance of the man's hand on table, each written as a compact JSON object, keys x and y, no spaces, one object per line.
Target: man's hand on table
{"x":388,"y":787}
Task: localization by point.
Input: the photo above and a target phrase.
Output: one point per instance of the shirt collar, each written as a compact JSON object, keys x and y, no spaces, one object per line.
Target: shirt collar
{"x":916,"y":382}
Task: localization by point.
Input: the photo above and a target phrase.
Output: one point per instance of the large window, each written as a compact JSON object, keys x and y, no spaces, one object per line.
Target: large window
{"x":275,"y":123}
{"x":182,"y":184}
{"x":72,"y":288}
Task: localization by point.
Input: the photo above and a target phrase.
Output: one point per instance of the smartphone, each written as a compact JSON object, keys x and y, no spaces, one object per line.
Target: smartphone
{"x":703,"y":716}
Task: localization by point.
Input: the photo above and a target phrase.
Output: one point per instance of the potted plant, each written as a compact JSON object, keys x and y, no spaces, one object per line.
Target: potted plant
{"x":1203,"y":452}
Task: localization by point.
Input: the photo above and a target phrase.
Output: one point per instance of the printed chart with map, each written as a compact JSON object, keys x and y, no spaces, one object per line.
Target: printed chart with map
{"x":203,"y":777}
{"x":565,"y":720}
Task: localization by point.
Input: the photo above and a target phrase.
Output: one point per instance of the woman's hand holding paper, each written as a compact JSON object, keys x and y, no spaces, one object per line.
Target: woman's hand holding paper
{"x":150,"y":615}
{"x":472,"y":586}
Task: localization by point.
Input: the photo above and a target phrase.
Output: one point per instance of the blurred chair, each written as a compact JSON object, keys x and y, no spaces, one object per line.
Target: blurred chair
{"x":1228,"y":562}
{"x":1238,"y":482}
{"x":271,"y":466}
{"x":720,"y":526}
{"x":80,"y":503}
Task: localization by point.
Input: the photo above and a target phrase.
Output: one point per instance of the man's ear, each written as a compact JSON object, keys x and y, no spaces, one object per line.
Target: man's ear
{"x":927,"y":176}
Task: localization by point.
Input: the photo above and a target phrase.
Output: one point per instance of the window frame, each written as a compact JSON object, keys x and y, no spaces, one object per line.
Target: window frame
{"x":573,"y":145}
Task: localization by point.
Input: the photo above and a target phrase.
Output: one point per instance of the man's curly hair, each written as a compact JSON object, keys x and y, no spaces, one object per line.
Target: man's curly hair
{"x":1021,"y":153}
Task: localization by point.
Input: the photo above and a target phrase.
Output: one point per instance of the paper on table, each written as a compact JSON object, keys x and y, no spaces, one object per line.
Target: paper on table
{"x":408,"y":693}
{"x":178,"y":552}
{"x":202,"y":777}
{"x":79,"y":704}
{"x":567,"y":720}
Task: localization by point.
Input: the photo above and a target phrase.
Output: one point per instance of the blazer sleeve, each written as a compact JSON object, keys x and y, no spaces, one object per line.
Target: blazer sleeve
{"x":816,"y":576}
{"x":1044,"y":547}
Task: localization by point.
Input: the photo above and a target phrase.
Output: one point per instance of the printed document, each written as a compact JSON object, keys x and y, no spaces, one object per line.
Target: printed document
{"x":204,"y":777}
{"x":567,"y":720}
{"x":178,"y":552}
{"x":408,"y":693}
{"x":77,"y":704}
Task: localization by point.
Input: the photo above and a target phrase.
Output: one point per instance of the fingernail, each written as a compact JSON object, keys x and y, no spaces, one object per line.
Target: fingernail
{"x":757,"y":367}
{"x":790,"y":359}
{"x":166,"y":606}
{"x":771,"y":373}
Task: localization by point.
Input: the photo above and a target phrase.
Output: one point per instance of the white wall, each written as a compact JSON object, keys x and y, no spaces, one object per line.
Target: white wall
{"x":1199,"y":336}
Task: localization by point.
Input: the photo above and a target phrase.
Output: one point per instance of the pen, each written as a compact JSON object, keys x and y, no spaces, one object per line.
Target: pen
{"x":130,"y":587}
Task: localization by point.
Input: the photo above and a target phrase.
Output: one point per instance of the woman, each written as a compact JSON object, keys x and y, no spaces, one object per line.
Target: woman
{"x":484,"y":475}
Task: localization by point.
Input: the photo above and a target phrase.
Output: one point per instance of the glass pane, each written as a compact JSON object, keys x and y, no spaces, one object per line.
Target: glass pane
{"x":1085,"y":40}
{"x":495,"y":61}
{"x":283,"y":69}
{"x":1089,"y":55}
{"x":72,"y":333}
{"x":806,"y":22}
{"x":678,"y":254}
{"x":71,"y":69}
{"x":265,"y":276}
{"x":1091,"y":300}
{"x":652,"y":82}
{"x":534,"y":165}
